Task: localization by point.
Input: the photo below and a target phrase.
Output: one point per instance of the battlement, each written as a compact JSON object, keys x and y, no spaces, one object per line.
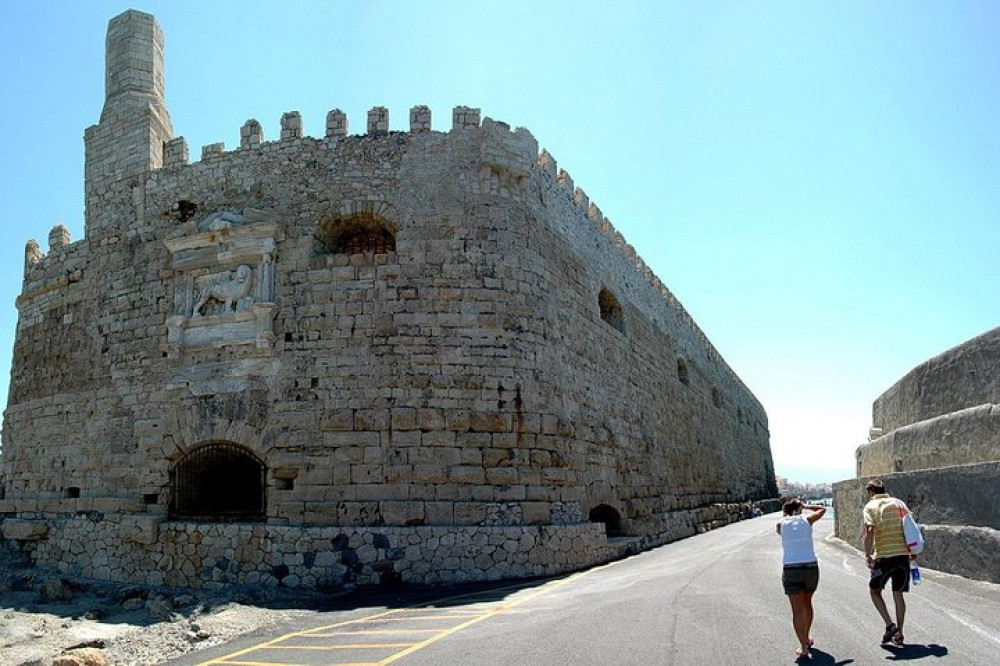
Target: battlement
{"x":61,"y":259}
{"x":176,"y":152}
{"x":508,"y":153}
{"x":515,"y":150}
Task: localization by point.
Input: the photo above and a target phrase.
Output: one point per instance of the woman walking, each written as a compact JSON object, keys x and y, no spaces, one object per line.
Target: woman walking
{"x":800,"y":574}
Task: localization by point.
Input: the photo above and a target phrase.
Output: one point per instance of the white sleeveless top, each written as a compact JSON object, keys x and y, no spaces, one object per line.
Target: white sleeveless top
{"x":797,"y":540}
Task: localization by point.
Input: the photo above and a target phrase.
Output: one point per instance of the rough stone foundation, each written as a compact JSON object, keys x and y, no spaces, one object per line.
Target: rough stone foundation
{"x":174,"y":554}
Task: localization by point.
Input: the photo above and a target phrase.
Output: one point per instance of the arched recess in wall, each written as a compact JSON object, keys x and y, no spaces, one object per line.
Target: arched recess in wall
{"x":362,"y":232}
{"x":611,"y":309}
{"x":607,"y":514}
{"x":682,"y":371}
{"x":218,"y":481}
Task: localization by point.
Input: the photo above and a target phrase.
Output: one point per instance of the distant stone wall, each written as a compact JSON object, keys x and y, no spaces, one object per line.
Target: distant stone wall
{"x":962,"y":377}
{"x":935,"y":441}
{"x":944,"y":412}
{"x":955,"y":506}
{"x":962,"y":437}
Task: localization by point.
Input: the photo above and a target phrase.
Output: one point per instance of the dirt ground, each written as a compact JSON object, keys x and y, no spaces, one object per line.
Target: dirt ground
{"x":54,"y":622}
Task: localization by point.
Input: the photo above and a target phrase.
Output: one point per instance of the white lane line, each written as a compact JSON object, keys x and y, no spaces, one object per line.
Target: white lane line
{"x":962,"y":621}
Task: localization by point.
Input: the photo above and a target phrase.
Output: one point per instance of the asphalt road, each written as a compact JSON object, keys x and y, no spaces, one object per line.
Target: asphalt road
{"x":712,"y":599}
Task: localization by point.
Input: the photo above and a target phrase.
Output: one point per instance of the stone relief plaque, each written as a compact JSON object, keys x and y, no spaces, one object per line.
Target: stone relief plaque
{"x":224,"y":283}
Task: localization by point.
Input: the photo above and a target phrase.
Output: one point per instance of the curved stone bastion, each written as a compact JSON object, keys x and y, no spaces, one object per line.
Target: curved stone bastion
{"x":415,"y":356}
{"x":935,"y":440}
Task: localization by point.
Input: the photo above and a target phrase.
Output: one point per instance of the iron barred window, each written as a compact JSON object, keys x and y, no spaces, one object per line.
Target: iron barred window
{"x":219,"y":481}
{"x":358,"y":234}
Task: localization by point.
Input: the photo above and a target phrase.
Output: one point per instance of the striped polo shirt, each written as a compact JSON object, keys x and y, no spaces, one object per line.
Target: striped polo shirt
{"x":882,"y":511}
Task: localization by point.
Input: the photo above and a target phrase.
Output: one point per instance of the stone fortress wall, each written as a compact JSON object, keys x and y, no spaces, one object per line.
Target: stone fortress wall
{"x":414,"y":356}
{"x":935,"y":440}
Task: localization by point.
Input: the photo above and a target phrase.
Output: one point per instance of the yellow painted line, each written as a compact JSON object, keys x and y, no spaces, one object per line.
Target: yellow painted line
{"x":496,"y":611}
{"x":338,"y":646}
{"x":384,"y":616}
{"x":374,"y":632}
{"x":412,"y":618}
{"x":225,"y":659}
{"x":264,"y":663}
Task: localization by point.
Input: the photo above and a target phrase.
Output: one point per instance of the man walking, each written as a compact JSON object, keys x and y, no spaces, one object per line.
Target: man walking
{"x":887,"y":556}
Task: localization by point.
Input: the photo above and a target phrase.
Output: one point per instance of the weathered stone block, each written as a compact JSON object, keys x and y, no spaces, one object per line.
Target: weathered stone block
{"x":469,"y":513}
{"x":403,"y":513}
{"x":24,"y":530}
{"x":140,"y":529}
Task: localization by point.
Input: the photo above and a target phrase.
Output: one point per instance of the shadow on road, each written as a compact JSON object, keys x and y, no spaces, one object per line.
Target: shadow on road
{"x":915,"y":651}
{"x":24,"y":592}
{"x":820,"y":658}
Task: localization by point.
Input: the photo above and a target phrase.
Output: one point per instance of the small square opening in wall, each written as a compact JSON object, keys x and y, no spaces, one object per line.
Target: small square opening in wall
{"x":150,"y":498}
{"x":611,"y":310}
{"x":71,"y":492}
{"x":284,"y":484}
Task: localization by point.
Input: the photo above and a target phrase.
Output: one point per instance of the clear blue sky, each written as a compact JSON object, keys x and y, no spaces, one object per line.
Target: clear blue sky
{"x":818,"y":183}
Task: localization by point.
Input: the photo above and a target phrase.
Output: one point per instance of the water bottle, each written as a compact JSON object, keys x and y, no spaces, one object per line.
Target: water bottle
{"x":914,"y":573}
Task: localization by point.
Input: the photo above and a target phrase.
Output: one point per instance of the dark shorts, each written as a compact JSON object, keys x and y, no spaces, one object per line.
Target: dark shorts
{"x":896,"y":569}
{"x":799,"y":578}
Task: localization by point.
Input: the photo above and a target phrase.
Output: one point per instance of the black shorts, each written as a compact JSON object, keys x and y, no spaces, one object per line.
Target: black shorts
{"x":799,"y":578}
{"x":896,"y":569}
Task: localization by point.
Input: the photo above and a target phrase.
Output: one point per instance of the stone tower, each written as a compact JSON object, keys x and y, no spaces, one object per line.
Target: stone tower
{"x":135,"y":124}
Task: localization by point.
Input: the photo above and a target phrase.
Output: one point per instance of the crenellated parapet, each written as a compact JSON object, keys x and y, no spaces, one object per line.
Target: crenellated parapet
{"x":37,"y":263}
{"x":509,"y":157}
{"x":47,"y":275}
{"x":251,"y":134}
{"x":291,"y":125}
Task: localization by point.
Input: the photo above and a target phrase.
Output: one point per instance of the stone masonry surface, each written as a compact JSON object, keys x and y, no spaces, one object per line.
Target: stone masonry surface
{"x":402,"y":356}
{"x":935,"y":441}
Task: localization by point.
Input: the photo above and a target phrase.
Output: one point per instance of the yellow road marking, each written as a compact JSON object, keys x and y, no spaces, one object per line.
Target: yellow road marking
{"x":271,"y":663}
{"x":222,"y":660}
{"x":373,"y":632}
{"x":338,"y":646}
{"x":499,"y":609}
{"x":409,"y":618}
{"x":399,"y":615}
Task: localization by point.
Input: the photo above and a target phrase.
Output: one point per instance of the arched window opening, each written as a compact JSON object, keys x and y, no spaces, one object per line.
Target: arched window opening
{"x":682,"y":371}
{"x":361,"y":233}
{"x":219,"y":481}
{"x":604,"y":513}
{"x":611,"y":310}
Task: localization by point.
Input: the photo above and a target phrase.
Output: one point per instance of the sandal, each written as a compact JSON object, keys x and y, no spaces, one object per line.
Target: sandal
{"x":802,"y":654}
{"x":897,"y":638}
{"x":890,"y":632}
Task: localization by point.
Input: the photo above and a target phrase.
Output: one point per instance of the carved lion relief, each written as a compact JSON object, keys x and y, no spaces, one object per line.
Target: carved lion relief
{"x":227,"y":293}
{"x":224,"y":281}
